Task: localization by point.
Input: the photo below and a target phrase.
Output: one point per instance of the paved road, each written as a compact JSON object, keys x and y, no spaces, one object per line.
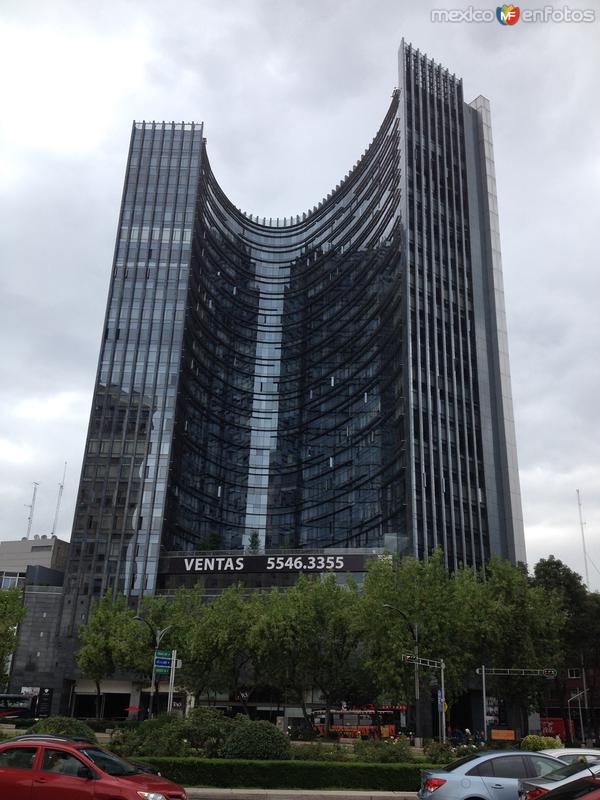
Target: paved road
{"x":294,"y":794}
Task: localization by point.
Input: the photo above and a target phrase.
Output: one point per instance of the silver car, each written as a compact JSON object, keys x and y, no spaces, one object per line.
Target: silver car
{"x":532,"y":788}
{"x":489,"y":776}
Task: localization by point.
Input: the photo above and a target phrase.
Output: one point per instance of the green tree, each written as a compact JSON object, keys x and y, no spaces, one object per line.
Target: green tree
{"x":308,"y":637}
{"x":589,"y":628}
{"x":133,"y":640}
{"x":277,"y":640}
{"x":99,"y":637}
{"x":12,"y":613}
{"x":442,"y":609}
{"x":331,"y":655}
{"x":213,"y":639}
{"x":229,"y":621}
{"x":195,"y":641}
{"x":523,"y":629}
{"x":581,"y":631}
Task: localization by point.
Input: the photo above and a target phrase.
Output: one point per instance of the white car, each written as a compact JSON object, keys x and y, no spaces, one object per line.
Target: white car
{"x":585,"y":755}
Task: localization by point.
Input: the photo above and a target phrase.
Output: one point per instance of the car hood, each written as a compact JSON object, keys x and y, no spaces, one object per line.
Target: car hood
{"x":146,"y":782}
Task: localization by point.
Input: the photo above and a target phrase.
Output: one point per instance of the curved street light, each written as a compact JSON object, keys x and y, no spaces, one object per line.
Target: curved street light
{"x":158,"y":635}
{"x":414,"y":630}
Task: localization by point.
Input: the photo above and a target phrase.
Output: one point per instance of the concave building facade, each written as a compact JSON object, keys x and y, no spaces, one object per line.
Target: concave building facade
{"x":333,"y":382}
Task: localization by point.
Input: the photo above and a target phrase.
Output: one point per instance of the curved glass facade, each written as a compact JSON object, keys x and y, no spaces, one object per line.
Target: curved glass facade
{"x":334,"y":380}
{"x":291,"y":376}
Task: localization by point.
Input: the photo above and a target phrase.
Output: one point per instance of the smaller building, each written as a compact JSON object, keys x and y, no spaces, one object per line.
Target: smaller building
{"x":37,"y":567}
{"x":18,"y":554}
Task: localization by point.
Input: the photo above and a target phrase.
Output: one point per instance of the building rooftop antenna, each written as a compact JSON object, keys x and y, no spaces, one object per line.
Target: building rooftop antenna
{"x":581,"y":524}
{"x":61,"y":486}
{"x":31,"y":507}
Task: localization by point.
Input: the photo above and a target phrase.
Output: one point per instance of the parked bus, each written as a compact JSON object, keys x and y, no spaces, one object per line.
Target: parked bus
{"x":361,"y":723}
{"x":17,"y":705}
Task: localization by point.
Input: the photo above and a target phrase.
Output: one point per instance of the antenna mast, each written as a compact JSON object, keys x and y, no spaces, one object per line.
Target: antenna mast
{"x":31,"y":507}
{"x":585,"y":555}
{"x":61,"y":486}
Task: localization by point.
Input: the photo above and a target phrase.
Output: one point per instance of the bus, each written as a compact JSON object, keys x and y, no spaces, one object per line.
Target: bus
{"x":17,"y":705}
{"x":361,"y":723}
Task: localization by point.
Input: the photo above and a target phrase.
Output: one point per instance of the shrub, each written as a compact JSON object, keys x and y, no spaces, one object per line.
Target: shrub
{"x":207,"y":729}
{"x":386,"y":751}
{"x":290,"y":774}
{"x":319,"y":752}
{"x":533,"y":742}
{"x":63,"y":726}
{"x":257,"y":740}
{"x":165,"y":735}
{"x":439,"y":752}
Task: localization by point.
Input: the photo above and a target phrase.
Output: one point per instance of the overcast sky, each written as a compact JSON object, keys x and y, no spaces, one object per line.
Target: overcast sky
{"x":291,"y":92}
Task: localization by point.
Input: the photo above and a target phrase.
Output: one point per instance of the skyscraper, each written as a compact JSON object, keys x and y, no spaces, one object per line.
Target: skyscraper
{"x":335,"y":381}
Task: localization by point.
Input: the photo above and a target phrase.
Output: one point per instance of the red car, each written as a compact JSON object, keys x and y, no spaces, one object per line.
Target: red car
{"x":59,"y":768}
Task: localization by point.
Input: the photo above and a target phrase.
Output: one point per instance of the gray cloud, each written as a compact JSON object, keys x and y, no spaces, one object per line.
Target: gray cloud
{"x":291,"y":93}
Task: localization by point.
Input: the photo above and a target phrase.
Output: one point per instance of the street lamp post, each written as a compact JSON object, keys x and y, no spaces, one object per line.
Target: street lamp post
{"x":414,"y":629}
{"x":158,"y":635}
{"x":569,"y":701}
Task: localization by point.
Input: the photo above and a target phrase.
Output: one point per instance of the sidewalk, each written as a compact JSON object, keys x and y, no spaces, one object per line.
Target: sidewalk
{"x":294,"y":794}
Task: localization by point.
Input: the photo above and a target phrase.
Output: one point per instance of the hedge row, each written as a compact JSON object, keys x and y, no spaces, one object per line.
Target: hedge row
{"x":234,"y":773}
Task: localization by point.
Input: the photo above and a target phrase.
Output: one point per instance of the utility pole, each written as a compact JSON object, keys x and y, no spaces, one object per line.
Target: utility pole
{"x":443,"y":731}
{"x":483,"y":689}
{"x":581,"y":524}
{"x":61,"y":486}
{"x":172,"y":681}
{"x":31,"y":507}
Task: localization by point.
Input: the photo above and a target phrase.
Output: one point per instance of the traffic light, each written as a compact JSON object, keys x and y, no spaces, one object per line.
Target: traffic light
{"x":549,"y":673}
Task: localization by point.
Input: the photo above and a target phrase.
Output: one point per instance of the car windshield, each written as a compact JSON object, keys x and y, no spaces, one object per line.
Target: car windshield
{"x":108,"y":762}
{"x":566,"y":771}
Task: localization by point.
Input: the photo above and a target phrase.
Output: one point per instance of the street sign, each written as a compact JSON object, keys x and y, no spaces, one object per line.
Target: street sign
{"x":162,"y":670}
{"x":162,"y":654}
{"x":162,"y":662}
{"x":440,"y":700}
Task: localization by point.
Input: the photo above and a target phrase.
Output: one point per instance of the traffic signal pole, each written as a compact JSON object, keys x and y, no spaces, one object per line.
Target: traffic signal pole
{"x":432,"y":664}
{"x":548,"y":672}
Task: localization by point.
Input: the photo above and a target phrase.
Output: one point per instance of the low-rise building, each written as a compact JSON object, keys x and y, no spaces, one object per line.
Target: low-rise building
{"x":37,"y":567}
{"x":18,"y":554}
